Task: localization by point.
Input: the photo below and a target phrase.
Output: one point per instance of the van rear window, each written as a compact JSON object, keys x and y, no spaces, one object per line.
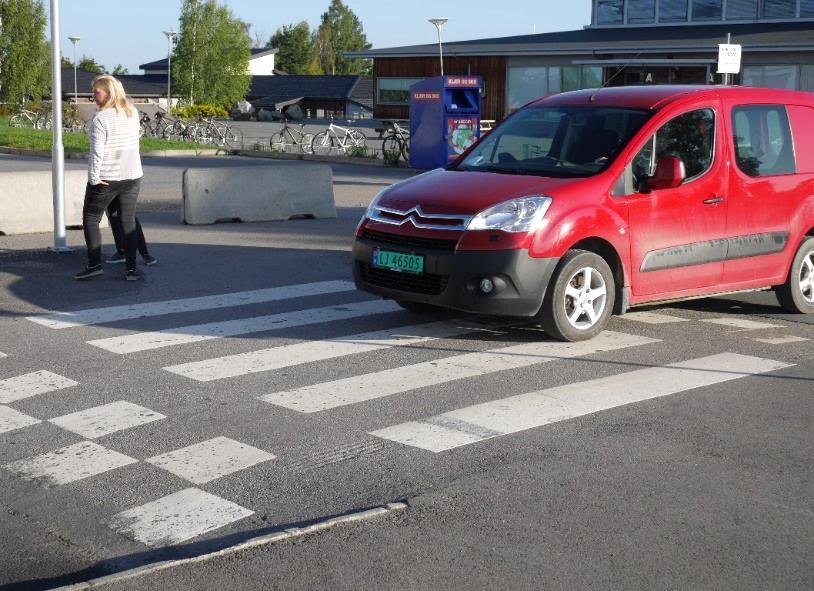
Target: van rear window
{"x":556,"y":141}
{"x":763,"y":143}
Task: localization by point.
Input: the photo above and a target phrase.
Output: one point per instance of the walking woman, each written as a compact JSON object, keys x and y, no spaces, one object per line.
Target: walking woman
{"x":114,"y":171}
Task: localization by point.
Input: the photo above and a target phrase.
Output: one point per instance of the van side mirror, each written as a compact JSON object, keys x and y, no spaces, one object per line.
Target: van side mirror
{"x":670,"y":173}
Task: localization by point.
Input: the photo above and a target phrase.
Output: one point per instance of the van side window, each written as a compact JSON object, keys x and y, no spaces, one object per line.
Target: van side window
{"x":763,"y":144}
{"x":690,"y":137}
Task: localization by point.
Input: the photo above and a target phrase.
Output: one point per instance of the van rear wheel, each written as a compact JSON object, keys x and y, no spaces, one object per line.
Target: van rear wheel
{"x":579,"y":302}
{"x":797,"y":293}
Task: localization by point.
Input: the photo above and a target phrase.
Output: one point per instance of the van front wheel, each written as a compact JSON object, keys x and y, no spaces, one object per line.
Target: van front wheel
{"x":579,"y":302}
{"x":797,"y":293}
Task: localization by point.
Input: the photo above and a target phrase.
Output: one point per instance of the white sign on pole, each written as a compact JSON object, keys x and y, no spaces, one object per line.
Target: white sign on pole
{"x":729,"y":58}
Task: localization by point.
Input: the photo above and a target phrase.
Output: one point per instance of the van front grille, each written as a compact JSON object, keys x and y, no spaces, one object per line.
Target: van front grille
{"x":426,"y":283}
{"x":410,"y":241}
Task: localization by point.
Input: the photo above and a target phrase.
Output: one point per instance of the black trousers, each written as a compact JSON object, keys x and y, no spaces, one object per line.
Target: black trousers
{"x":97,"y":198}
{"x":114,"y":216}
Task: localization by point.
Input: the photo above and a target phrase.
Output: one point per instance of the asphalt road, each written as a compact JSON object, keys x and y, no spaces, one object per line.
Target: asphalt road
{"x":675,"y":453}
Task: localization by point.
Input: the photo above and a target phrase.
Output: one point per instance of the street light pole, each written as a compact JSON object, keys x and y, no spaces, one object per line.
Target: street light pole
{"x":170,"y":35}
{"x":439,"y":24}
{"x":73,"y":40}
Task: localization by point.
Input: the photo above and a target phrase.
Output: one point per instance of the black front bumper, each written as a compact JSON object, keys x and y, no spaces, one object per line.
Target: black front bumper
{"x":451,"y":279}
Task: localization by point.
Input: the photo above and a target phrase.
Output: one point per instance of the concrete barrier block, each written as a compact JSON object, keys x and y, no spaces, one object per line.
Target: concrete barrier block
{"x":27,"y":202}
{"x":271,"y":192}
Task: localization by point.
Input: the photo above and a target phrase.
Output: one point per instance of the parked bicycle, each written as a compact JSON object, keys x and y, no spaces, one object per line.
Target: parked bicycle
{"x":289,"y":136}
{"x":28,"y":118}
{"x":397,"y":139}
{"x":209,"y":131}
{"x":336,"y":136}
{"x":179,"y":131}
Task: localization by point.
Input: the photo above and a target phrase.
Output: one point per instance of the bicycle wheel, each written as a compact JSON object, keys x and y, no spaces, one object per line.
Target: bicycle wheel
{"x":323,"y":143}
{"x":19,"y":121}
{"x":306,"y":143}
{"x":357,"y":138}
{"x":44,"y":121}
{"x":202,"y":134}
{"x":277,"y":142}
{"x":234,"y":138}
{"x":391,"y":145}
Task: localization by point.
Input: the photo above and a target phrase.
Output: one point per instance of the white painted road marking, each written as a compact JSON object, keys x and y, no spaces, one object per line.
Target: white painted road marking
{"x":2,"y":355}
{"x":59,"y":320}
{"x":109,"y":418}
{"x":145,"y":341}
{"x":32,"y":384}
{"x":11,"y":420}
{"x":208,"y":460}
{"x":177,"y":517}
{"x":402,"y":379}
{"x":783,"y":340}
{"x":652,"y":318}
{"x":310,"y":351}
{"x":742,"y":323}
{"x":69,"y":464}
{"x":527,"y":411}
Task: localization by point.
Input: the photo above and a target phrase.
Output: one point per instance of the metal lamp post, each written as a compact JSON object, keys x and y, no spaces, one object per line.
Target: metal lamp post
{"x":73,"y":40}
{"x":170,"y":35}
{"x":439,"y":24}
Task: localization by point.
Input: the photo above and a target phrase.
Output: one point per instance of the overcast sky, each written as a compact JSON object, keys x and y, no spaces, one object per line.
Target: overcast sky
{"x":130,"y":33}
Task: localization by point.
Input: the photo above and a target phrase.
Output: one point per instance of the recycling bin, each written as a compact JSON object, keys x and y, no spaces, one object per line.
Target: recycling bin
{"x":444,"y":119}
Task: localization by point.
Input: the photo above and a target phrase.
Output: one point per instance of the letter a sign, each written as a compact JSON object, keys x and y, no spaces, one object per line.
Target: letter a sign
{"x":729,"y":58}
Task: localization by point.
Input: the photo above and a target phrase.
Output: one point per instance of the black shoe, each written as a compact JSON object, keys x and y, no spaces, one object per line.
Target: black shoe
{"x":116,"y":258}
{"x":149,"y":260}
{"x":89,"y":272}
{"x":132,"y":275}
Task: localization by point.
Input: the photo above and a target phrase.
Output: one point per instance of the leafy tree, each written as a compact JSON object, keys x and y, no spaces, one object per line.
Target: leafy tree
{"x":65,"y":62}
{"x":118,"y":70}
{"x":88,"y":64}
{"x":297,"y":52}
{"x":24,"y":53}
{"x":211,"y":59}
{"x":340,"y":30}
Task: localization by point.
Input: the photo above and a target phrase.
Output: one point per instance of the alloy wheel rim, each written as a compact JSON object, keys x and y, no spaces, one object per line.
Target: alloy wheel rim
{"x":806,"y":278}
{"x":586,"y":296}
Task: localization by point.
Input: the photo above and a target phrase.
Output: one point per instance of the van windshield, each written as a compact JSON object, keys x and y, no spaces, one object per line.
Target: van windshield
{"x":556,"y":141}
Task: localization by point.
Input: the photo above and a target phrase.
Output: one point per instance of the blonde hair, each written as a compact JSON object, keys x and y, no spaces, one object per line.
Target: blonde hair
{"x":116,"y":97}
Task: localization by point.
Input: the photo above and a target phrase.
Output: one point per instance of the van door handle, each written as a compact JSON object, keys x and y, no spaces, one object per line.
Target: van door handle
{"x":713,"y":200}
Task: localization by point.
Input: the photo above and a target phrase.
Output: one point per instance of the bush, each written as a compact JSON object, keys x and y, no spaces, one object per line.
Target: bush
{"x":198,"y":111}
{"x":392,"y":157}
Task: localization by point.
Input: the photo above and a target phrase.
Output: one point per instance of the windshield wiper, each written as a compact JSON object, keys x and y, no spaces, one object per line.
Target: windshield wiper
{"x":503,"y":170}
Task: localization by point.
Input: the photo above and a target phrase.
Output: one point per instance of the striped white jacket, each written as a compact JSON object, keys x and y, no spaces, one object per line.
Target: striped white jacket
{"x":114,"y":144}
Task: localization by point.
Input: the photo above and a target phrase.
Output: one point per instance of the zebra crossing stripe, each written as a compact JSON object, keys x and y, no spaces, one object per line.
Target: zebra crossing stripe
{"x":106,"y":419}
{"x":652,"y":318}
{"x":145,"y":341}
{"x":11,"y":420}
{"x":743,"y":323}
{"x":527,"y":411}
{"x":402,"y":379}
{"x":69,"y":464}
{"x":289,"y":355}
{"x":31,"y":384}
{"x":177,"y":517}
{"x":59,"y":320}
{"x":2,"y":355}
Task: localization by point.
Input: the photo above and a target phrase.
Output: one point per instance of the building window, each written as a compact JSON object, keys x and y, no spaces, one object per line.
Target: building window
{"x":806,"y":78}
{"x":610,"y":12}
{"x":641,"y":11}
{"x":807,"y":8}
{"x":394,"y":91}
{"x":779,"y":8}
{"x":591,"y":77}
{"x":526,"y":84}
{"x":554,"y":79}
{"x":763,"y":145}
{"x":672,"y":11}
{"x":770,"y":76}
{"x":738,"y":9}
{"x":570,"y":78}
{"x":707,"y":10}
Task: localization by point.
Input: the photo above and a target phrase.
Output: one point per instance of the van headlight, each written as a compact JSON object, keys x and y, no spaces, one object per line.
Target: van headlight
{"x":517,"y":215}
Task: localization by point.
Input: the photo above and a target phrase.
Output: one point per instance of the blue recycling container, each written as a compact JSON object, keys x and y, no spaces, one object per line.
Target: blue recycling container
{"x":444,"y":119}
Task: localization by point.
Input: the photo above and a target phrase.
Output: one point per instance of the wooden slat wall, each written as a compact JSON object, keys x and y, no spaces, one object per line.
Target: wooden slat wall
{"x":491,"y":69}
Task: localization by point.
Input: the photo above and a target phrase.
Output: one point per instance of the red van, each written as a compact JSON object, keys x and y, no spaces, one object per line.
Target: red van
{"x":586,"y":203}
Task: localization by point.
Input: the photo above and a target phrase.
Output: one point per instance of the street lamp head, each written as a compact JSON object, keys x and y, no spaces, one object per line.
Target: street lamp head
{"x":170,"y":34}
{"x":74,"y":39}
{"x":439,"y":22}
